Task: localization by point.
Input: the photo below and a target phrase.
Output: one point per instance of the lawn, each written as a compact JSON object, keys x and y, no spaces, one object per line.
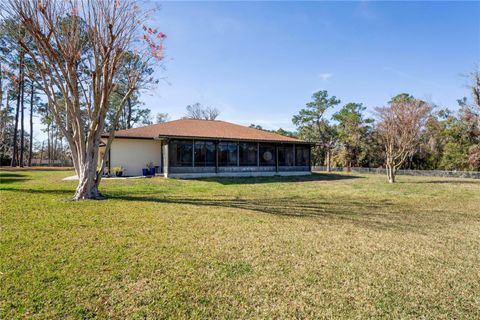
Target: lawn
{"x":325,"y":246}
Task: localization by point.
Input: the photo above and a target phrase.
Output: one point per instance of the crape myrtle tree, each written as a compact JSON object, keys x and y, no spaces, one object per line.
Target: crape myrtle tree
{"x":474,"y":151}
{"x":77,"y":48}
{"x":400,"y":126}
{"x":312,"y":125}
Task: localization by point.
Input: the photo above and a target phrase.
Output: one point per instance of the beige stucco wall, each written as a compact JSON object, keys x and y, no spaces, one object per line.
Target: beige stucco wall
{"x":134,"y":154}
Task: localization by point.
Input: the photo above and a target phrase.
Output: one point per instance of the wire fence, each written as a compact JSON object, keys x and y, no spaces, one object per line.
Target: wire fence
{"x":426,"y":173}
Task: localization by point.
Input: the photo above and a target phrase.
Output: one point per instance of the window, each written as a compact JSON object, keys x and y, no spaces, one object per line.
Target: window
{"x":227,"y":154}
{"x":302,"y":155}
{"x":285,"y":155}
{"x":204,"y":154}
{"x":181,"y":153}
{"x":267,"y":155}
{"x":248,"y":154}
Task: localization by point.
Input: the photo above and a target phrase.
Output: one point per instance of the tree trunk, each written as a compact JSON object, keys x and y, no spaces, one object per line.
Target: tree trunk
{"x":62,"y":157}
{"x":1,"y":89}
{"x":5,"y":119}
{"x":31,"y":127}
{"x":87,"y":175}
{"x":15,"y":130}
{"x":22,"y":121}
{"x":49,"y":151}
{"x":54,"y":145}
{"x":390,"y":172}
{"x":41,"y":153}
{"x":129,"y":113}
{"x":329,"y":169}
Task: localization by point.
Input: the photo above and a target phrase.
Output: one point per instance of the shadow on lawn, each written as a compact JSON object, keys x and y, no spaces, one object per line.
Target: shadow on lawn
{"x":280,"y":179}
{"x":380,"y":215}
{"x":371,"y":215}
{"x":8,"y":177}
{"x":445,"y":182}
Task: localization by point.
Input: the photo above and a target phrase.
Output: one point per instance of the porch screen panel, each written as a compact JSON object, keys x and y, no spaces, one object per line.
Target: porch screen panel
{"x":267,"y":154}
{"x":248,"y":154}
{"x":285,"y":155}
{"x":227,"y":153}
{"x":181,"y":153}
{"x":204,"y":154}
{"x":302,"y":155}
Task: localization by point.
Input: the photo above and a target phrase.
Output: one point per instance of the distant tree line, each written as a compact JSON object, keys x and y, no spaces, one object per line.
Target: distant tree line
{"x":406,"y":133}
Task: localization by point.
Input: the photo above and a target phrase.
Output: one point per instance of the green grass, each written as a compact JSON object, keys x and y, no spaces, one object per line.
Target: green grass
{"x":325,"y":246}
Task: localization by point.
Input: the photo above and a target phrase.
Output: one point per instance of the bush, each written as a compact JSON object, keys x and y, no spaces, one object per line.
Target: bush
{"x":117,"y":169}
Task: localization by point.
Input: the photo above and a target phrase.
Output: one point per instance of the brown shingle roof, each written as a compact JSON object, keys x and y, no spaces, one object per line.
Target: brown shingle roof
{"x":208,"y":129}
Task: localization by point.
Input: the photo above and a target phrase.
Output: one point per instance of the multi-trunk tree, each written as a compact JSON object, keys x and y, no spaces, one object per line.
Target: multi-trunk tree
{"x":77,"y":48}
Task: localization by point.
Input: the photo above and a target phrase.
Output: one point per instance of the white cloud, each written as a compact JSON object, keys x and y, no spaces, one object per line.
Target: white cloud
{"x":325,"y":76}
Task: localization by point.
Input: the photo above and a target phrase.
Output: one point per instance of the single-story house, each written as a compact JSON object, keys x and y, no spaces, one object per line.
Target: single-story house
{"x":190,"y":148}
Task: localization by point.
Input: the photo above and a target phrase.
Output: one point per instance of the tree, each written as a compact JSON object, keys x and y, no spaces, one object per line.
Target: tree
{"x":280,"y":131}
{"x":19,"y":84}
{"x":161,"y":117}
{"x":474,"y":150}
{"x":313,"y":127}
{"x":30,"y":147}
{"x":13,"y":55}
{"x":197,"y":111}
{"x":133,"y":113}
{"x":77,"y":49}
{"x":7,"y":118}
{"x":352,"y":130}
{"x":400,"y":125}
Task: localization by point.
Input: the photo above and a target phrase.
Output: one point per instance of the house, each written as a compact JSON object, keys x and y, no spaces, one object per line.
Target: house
{"x":190,"y":148}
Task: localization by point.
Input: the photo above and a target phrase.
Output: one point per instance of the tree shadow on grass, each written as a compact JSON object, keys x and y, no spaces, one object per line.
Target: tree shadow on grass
{"x":477,"y":182}
{"x":280,"y":179}
{"x":379,"y":216}
{"x":39,"y":191}
{"x":8,"y":177}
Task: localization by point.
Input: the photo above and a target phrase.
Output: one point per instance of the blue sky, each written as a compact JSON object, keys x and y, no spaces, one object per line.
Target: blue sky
{"x":260,"y":62}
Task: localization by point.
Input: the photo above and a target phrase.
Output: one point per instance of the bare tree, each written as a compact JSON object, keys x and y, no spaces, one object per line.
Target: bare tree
{"x":476,"y":88}
{"x":399,"y":127}
{"x":211,"y":113}
{"x":197,"y":111}
{"x":474,"y":151}
{"x":77,"y":49}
